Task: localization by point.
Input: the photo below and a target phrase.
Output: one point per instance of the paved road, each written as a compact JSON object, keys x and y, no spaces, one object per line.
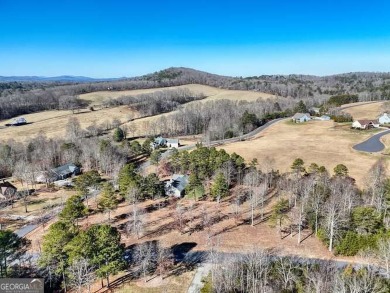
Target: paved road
{"x":373,"y":144}
{"x":219,"y":142}
{"x":25,"y":230}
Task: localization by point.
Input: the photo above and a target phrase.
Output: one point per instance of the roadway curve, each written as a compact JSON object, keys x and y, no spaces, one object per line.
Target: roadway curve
{"x":373,"y":144}
{"x":219,"y":142}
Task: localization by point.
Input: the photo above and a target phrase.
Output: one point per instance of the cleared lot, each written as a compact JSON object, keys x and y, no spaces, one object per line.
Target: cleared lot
{"x":321,"y":142}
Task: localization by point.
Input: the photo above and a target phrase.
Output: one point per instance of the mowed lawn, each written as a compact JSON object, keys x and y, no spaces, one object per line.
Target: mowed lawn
{"x":53,"y":123}
{"x":366,"y":110}
{"x":321,"y":142}
{"x":212,"y":93}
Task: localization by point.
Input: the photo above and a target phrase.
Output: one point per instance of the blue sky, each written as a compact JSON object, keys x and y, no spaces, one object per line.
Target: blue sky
{"x":240,"y":38}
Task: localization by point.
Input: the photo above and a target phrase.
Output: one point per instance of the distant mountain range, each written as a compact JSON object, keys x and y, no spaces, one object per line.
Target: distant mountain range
{"x":62,"y":78}
{"x":191,"y":75}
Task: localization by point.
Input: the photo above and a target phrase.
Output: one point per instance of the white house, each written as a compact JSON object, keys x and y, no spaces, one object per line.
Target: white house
{"x":165,"y":142}
{"x":325,"y":118}
{"x":384,"y":118}
{"x":172,"y":143}
{"x":365,"y":124}
{"x":176,"y":186}
{"x":301,"y":117}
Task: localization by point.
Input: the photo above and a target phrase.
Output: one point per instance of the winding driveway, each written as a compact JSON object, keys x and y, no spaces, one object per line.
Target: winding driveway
{"x":373,"y":144}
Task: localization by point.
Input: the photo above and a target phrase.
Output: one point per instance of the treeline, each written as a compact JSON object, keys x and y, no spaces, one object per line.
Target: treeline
{"x":220,"y":118}
{"x":343,"y":99}
{"x":261,"y":271}
{"x":157,"y":102}
{"x":22,"y":98}
{"x":368,"y":86}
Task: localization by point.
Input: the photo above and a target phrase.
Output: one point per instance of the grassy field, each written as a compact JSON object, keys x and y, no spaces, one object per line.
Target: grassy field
{"x":171,"y":284}
{"x":321,"y":142}
{"x":365,"y":111}
{"x":53,"y":123}
{"x":212,"y":93}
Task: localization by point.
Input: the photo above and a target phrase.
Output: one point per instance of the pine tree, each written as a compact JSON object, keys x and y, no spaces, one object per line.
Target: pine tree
{"x":220,"y":188}
{"x":340,"y":170}
{"x":10,"y":245}
{"x":301,"y":107}
{"x":118,"y":134}
{"x":298,"y":165}
{"x":108,"y":200}
{"x":73,"y":210}
{"x":127,"y":178}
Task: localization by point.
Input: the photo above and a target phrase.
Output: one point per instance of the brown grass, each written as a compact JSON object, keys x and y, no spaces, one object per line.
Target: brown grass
{"x":53,"y":123}
{"x":366,"y":111}
{"x":321,"y":142}
{"x":171,"y":284}
{"x":212,"y":93}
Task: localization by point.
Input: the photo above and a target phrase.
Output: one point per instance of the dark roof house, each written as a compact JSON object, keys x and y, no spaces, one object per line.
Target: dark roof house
{"x":66,"y":171}
{"x":7,"y":190}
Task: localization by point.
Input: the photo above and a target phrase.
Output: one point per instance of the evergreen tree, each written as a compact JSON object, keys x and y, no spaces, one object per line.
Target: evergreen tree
{"x":11,"y":245}
{"x":73,"y":210}
{"x":118,"y":135}
{"x":279,"y":213}
{"x":340,"y":170}
{"x":101,"y":246}
{"x":53,"y":248}
{"x":220,"y":188}
{"x":108,"y":251}
{"x":194,"y":187}
{"x":301,"y":107}
{"x":151,"y":187}
{"x":298,"y":165}
{"x":127,"y":178}
{"x":108,"y":200}
{"x":155,"y":157}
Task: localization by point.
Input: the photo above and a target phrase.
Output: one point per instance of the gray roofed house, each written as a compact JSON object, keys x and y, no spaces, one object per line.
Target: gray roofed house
{"x":164,"y":142}
{"x":325,"y":118}
{"x":176,"y":186}
{"x":301,"y":117}
{"x":65,"y":171}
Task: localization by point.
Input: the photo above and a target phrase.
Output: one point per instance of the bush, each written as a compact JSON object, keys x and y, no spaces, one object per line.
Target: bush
{"x":208,"y":286}
{"x":352,"y":243}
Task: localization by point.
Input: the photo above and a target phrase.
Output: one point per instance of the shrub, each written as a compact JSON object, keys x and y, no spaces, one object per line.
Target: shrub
{"x":352,"y":243}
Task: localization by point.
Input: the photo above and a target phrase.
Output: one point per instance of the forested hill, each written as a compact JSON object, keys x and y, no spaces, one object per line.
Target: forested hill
{"x":367,"y":84}
{"x":18,"y":98}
